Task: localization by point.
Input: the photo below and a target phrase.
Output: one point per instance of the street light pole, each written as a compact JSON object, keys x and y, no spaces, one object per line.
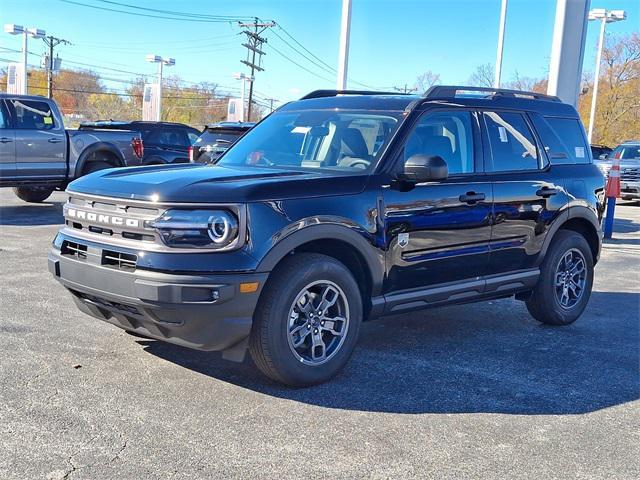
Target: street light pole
{"x":605,"y":16}
{"x":161,"y":61}
{"x":343,"y":56}
{"x":503,"y":21}
{"x":25,"y":32}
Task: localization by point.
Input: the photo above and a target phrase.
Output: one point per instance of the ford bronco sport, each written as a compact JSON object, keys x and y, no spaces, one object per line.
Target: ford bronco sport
{"x":336,"y":209}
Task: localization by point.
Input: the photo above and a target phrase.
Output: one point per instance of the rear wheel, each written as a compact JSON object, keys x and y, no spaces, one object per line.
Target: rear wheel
{"x":95,"y":166}
{"x":33,"y":194}
{"x":307,"y":321}
{"x":565,"y":282}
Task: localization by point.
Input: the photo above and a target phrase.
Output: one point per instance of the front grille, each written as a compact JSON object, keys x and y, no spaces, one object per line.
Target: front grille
{"x":114,"y":219}
{"x":73,"y":249}
{"x":630,"y":174}
{"x":122,"y":261}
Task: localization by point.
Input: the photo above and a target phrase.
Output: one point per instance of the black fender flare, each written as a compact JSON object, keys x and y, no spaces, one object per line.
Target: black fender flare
{"x":571,"y":213}
{"x":98,"y":147}
{"x":374,"y":262}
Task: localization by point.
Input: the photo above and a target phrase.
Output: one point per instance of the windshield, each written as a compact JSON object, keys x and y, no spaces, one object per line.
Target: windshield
{"x":221,"y":137}
{"x":348,"y":141}
{"x":626,"y":152}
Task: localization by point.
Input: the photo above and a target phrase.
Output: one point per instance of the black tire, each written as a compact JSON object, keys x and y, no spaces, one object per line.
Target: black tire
{"x":544,"y":304}
{"x":269,"y":343}
{"x":95,"y":166}
{"x":33,"y":194}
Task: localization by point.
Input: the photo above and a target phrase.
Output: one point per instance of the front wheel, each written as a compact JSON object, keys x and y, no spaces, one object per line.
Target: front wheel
{"x":33,"y":194}
{"x":307,"y":321}
{"x":565,"y":282}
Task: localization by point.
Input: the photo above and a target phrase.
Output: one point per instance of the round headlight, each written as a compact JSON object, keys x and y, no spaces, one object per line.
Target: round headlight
{"x":222,"y":228}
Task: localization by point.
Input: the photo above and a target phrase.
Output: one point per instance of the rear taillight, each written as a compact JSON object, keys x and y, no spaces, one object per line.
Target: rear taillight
{"x":138,"y":147}
{"x":191,"y":159}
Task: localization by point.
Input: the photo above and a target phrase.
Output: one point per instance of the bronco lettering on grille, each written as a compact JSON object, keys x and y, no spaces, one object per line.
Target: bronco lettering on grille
{"x":101,"y":218}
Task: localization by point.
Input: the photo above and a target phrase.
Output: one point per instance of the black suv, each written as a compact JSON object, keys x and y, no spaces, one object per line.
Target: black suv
{"x":216,"y":139}
{"x":164,"y":142}
{"x":337,"y":209}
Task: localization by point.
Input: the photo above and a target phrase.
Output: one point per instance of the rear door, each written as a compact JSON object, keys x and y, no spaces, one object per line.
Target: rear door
{"x":439,"y":232}
{"x":528,"y":195}
{"x":7,"y":145}
{"x":40,"y":140}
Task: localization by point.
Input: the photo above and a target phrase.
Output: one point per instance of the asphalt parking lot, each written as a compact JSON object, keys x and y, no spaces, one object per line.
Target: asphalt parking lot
{"x":460,"y":392}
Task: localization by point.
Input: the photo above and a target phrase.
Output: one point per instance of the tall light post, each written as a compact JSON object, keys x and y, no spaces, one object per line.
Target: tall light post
{"x":161,"y":61}
{"x":26,"y":33}
{"x":503,"y":21}
{"x":605,"y":16}
{"x":244,"y":78}
{"x":343,"y":55}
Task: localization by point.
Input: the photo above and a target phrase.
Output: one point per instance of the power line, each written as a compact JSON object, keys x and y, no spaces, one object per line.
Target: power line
{"x":181,"y":19}
{"x":254,"y":46}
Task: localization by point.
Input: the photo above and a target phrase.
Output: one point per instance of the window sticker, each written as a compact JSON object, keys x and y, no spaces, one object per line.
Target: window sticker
{"x":503,"y":134}
{"x":579,"y":152}
{"x":47,"y":120}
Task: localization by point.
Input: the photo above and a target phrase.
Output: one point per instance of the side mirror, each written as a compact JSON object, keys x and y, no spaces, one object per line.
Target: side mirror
{"x":604,"y":156}
{"x":425,"y":168}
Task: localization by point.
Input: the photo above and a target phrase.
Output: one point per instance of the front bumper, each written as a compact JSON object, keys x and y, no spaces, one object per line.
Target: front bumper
{"x":204,"y":312}
{"x":629,"y":189}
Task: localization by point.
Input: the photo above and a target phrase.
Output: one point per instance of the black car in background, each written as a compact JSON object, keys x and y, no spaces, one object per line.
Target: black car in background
{"x":217,"y":138}
{"x":597,"y":151}
{"x":164,"y":142}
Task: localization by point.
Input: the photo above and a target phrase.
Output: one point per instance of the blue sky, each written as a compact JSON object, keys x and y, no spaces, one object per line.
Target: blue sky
{"x":392,"y":41}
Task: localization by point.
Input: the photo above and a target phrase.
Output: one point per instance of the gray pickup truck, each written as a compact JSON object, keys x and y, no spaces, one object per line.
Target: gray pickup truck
{"x":38,"y":155}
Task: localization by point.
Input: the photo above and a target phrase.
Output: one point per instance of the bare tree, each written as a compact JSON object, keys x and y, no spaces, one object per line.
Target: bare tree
{"x":427,"y":80}
{"x":482,"y":77}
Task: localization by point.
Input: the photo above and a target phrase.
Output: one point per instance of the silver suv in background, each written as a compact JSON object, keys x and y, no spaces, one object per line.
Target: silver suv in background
{"x":629,"y":155}
{"x":38,"y":155}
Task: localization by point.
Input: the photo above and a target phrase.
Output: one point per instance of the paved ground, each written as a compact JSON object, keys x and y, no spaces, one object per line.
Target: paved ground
{"x":460,"y":392}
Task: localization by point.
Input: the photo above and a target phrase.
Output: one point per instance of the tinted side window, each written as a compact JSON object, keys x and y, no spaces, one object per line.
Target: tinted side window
{"x":173,"y":137}
{"x":33,"y":115}
{"x":513,"y":146}
{"x":4,"y":120}
{"x":446,"y":134}
{"x":570,"y":133}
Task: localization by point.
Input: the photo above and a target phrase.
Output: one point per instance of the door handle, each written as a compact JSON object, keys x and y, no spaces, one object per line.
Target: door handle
{"x":471,"y":198}
{"x":546,"y":192}
{"x":54,"y":140}
{"x":5,"y":140}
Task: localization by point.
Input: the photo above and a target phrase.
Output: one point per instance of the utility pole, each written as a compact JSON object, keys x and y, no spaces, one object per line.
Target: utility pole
{"x":253,"y":45}
{"x":343,"y":55}
{"x":405,"y":89}
{"x":271,"y":100}
{"x":52,"y":42}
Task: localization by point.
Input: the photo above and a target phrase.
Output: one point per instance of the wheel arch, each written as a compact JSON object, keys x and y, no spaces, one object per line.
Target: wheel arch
{"x":580,"y":220}
{"x":345,"y":245}
{"x":100,"y":147}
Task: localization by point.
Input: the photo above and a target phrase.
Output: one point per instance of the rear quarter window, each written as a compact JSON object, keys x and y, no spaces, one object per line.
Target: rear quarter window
{"x":563,"y":139}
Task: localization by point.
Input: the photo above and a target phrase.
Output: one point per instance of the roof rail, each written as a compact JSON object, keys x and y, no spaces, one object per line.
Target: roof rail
{"x":449,"y":91}
{"x":335,"y":93}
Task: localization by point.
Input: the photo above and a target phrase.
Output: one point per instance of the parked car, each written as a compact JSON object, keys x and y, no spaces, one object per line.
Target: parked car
{"x":164,"y":142}
{"x":337,"y":209}
{"x":38,"y":155}
{"x":216,"y":139}
{"x":629,"y":155}
{"x":599,"y":151}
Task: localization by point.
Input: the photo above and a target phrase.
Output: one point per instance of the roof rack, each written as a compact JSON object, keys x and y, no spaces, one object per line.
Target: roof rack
{"x":335,"y":93}
{"x":450,"y":91}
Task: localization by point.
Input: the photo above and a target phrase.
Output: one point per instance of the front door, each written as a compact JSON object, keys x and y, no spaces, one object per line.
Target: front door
{"x":439,"y":232}
{"x":40,"y":140}
{"x":7,"y":146}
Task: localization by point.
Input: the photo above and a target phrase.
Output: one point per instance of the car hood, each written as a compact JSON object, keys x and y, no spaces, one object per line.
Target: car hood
{"x":189,"y":183}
